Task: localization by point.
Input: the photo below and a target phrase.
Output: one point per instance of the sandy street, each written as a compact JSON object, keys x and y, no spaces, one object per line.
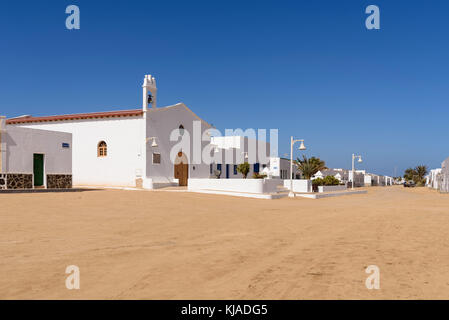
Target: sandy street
{"x":174,"y":245}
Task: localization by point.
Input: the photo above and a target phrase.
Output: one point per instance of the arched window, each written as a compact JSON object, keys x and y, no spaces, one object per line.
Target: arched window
{"x":102,"y":149}
{"x":181,"y":130}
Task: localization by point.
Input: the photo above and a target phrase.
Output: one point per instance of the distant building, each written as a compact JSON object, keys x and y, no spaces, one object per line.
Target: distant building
{"x":433,"y":179}
{"x":280,"y":168}
{"x":236,"y":150}
{"x":444,"y":176}
{"x":341,"y":174}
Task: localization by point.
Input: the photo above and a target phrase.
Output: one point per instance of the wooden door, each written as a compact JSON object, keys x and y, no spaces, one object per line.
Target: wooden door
{"x":182,"y":173}
{"x":182,"y":169}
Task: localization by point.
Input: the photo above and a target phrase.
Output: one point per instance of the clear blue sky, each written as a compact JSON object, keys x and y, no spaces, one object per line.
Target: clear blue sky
{"x":309,"y":68}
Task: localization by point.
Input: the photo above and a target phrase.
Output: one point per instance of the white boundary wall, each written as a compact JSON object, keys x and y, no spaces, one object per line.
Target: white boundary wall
{"x":258,"y":186}
{"x":322,"y":189}
{"x":299,"y":185}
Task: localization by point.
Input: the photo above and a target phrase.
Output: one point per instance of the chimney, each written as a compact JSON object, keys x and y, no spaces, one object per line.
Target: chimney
{"x":149,"y":92}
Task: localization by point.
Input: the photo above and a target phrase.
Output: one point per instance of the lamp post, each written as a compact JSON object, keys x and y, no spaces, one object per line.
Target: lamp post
{"x":353,"y":168}
{"x":301,"y":147}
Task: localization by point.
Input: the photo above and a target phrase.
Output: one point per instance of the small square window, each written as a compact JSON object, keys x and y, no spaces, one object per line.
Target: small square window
{"x":156,"y":158}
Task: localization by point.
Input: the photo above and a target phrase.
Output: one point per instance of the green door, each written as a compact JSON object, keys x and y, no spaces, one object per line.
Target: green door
{"x":38,"y":169}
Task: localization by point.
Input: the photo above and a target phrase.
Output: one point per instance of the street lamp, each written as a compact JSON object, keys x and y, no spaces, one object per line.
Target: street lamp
{"x":301,"y":147}
{"x":353,"y":168}
{"x":154,"y":143}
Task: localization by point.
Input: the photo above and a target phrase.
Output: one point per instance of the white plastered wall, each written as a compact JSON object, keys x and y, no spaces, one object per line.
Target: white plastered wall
{"x":125,"y":146}
{"x":21,"y":143}
{"x":160,"y":124}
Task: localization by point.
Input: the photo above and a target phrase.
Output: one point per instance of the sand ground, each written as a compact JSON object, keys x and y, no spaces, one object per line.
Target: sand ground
{"x":173,"y":245}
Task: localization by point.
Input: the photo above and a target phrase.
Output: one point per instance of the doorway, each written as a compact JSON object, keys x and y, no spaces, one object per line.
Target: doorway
{"x":38,"y":169}
{"x":182,"y":169}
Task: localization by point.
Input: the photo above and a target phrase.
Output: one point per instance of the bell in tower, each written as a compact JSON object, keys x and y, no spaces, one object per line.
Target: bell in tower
{"x":149,"y":92}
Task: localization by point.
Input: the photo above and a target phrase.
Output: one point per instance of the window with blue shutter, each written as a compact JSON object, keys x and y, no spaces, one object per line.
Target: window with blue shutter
{"x":256,"y":167}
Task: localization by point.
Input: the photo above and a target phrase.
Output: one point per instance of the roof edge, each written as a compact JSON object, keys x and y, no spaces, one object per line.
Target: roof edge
{"x":78,"y":116}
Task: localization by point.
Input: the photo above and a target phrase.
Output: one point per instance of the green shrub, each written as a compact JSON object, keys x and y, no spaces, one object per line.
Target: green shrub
{"x":318,"y":182}
{"x":256,"y":175}
{"x":331,"y":181}
{"x":243,"y":168}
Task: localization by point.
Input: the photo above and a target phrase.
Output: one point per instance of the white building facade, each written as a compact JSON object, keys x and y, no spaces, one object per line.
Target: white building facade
{"x":130,"y":148}
{"x":31,"y":158}
{"x":443,"y":183}
{"x":149,"y":147}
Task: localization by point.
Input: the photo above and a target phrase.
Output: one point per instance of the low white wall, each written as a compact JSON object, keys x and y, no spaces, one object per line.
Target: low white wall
{"x":299,"y":185}
{"x":322,"y":189}
{"x":235,"y":185}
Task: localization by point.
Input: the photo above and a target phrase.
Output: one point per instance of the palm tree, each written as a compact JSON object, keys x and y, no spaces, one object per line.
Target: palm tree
{"x":421,"y":172}
{"x":410,"y":174}
{"x":319,"y":164}
{"x":308,"y":167}
{"x":417,"y":174}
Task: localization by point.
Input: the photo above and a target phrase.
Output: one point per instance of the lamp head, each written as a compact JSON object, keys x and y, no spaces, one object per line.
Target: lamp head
{"x":154,"y":144}
{"x":360,"y":160}
{"x":302,"y":146}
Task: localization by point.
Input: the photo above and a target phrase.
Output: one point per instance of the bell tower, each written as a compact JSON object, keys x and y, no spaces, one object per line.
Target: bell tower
{"x":149,"y":92}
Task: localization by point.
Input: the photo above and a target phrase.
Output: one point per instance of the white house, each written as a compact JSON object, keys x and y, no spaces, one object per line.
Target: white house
{"x":359,"y":179}
{"x":31,"y":158}
{"x":234,"y":150}
{"x":433,"y":178}
{"x":444,"y":177}
{"x":280,"y":168}
{"x":340,"y":174}
{"x":368,"y":180}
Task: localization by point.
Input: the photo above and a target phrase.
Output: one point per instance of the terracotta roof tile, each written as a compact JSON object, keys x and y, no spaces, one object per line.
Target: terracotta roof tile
{"x":108,"y":114}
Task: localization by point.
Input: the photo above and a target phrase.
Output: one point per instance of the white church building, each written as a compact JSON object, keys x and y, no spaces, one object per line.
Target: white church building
{"x":134,"y":148}
{"x":129,"y":148}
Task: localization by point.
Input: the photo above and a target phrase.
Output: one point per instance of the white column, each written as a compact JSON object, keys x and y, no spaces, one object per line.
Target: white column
{"x":145,"y":98}
{"x":2,"y":148}
{"x":291,"y":194}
